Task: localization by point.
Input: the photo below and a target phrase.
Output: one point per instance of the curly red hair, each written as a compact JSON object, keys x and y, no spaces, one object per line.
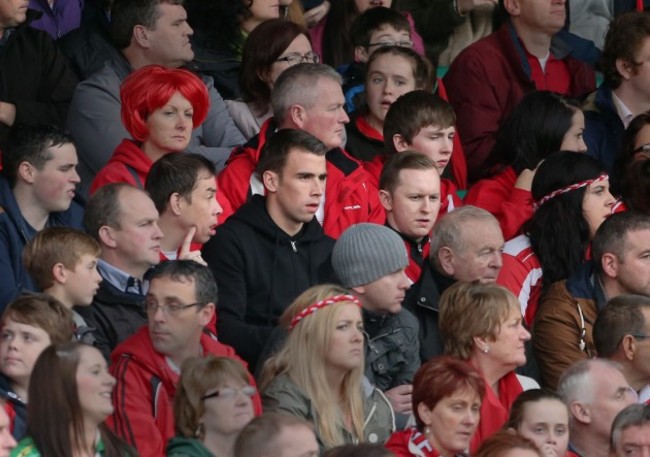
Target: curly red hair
{"x":149,"y":88}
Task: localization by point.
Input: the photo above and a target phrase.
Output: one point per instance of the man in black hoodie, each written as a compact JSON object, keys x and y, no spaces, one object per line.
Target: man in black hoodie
{"x":272,"y":248}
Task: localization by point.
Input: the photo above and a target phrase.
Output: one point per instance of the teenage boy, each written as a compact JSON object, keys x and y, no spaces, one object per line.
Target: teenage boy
{"x":422,"y":122}
{"x":63,"y":263}
{"x":184,"y":189}
{"x":37,"y":188}
{"x":29,"y":325}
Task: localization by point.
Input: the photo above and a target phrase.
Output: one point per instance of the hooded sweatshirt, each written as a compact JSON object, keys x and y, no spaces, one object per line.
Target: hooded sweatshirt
{"x":260,"y":270}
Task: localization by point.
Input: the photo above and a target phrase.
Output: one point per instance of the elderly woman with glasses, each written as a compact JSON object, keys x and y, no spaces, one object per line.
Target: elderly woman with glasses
{"x":271,"y":48}
{"x":213,"y":404}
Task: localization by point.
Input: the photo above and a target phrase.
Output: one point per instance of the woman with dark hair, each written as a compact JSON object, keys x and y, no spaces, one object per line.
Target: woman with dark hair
{"x":543,"y":122}
{"x":391,"y":71}
{"x":271,"y":48}
{"x":572,"y":198}
{"x":541,"y":416}
{"x":70,"y":396}
{"x":447,"y":396}
{"x":508,"y":444}
{"x":220,"y":30}
{"x":331,"y":36}
{"x":160,"y":108}
{"x":493,"y":344}
{"x":631,"y":179}
{"x":213,"y":403}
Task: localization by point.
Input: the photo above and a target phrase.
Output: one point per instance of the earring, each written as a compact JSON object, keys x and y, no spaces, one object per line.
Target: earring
{"x":486,"y":349}
{"x":200,"y":431}
{"x":427,"y":431}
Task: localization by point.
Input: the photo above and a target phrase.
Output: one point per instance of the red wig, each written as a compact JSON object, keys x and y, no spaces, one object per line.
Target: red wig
{"x":151,"y":87}
{"x":440,"y":377}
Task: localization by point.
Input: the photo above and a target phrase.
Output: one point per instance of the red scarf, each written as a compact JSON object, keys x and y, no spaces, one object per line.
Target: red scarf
{"x":495,"y":410}
{"x":409,"y":443}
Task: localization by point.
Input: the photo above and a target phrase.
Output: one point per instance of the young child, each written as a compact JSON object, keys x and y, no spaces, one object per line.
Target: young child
{"x":29,"y":325}
{"x":63,"y":264}
{"x":421,"y":121}
{"x":391,"y":72}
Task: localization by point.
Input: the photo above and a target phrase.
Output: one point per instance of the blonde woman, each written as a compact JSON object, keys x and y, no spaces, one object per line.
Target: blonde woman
{"x":318,"y":373}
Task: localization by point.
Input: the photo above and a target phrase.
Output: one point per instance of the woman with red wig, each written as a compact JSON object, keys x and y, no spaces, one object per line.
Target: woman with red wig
{"x":447,"y":396}
{"x":160,"y":108}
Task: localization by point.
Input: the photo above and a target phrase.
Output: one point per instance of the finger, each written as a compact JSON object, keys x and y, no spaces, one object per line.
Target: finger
{"x":187,"y":241}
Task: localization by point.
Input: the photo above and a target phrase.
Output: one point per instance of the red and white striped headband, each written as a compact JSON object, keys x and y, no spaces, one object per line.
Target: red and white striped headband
{"x":569,"y":188}
{"x":311,"y":309}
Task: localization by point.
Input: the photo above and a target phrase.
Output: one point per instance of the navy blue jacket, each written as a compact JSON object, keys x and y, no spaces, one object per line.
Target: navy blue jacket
{"x":603,"y":127}
{"x":15,"y":232}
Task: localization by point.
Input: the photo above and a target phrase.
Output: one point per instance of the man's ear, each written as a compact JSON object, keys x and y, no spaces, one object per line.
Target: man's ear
{"x":27,"y":172}
{"x":298,"y":116}
{"x":205,"y":314}
{"x":446,"y":259}
{"x":628,"y":346}
{"x":106,"y":235}
{"x":513,"y":7}
{"x":361,"y":54}
{"x":386,"y":200}
{"x":271,"y":181}
{"x":580,"y":413}
{"x":359,"y":290}
{"x":174,"y":204}
{"x":400,"y":143}
{"x":141,"y":36}
{"x":609,"y":264}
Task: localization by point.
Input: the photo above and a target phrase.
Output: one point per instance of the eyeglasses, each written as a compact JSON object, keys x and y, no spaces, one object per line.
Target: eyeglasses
{"x":295,"y":58}
{"x":639,"y":336}
{"x":401,"y":44}
{"x":171,"y":310}
{"x":229,"y":392}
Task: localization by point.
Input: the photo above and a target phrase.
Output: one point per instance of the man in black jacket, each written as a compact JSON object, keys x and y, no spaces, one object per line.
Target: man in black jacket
{"x":272,"y":248}
{"x":124,"y":221}
{"x":36,"y":82}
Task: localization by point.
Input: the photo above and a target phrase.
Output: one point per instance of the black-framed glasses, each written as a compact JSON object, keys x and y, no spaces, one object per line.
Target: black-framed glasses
{"x":295,"y":58}
{"x":171,"y":309}
{"x":230,"y":392}
{"x":639,"y":336}
{"x":400,"y":43}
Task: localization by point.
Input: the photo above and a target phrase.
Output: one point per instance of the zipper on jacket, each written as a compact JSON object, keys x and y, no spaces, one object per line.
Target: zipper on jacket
{"x":293,"y":246}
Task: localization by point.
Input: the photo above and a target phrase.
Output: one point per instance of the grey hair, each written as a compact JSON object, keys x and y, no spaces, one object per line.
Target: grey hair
{"x":633,"y":415}
{"x":447,"y":231}
{"x":297,"y":85}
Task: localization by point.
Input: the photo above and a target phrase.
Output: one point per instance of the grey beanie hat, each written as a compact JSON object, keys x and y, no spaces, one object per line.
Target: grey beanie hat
{"x":366,"y":252}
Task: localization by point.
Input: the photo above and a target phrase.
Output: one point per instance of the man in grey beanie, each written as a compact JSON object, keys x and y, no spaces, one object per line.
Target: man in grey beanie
{"x":371,"y":259}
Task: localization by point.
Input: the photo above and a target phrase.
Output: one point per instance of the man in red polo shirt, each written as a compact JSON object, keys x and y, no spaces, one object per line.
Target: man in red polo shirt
{"x":487,"y":80}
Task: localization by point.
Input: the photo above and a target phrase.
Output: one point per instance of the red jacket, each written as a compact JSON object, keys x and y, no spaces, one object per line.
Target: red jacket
{"x":145,"y":389}
{"x":349,"y":197}
{"x":512,"y":207}
{"x":488,"y":79}
{"x":128,"y":154}
{"x":449,"y":199}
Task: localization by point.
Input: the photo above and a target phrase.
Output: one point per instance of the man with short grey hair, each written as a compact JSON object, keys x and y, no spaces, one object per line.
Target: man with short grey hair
{"x":631,"y":432}
{"x":595,"y":391}
{"x":309,"y":97}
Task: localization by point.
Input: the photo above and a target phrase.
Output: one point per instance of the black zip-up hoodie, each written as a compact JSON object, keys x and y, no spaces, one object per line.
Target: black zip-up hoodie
{"x":260,"y":270}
